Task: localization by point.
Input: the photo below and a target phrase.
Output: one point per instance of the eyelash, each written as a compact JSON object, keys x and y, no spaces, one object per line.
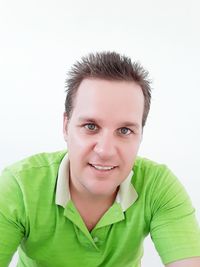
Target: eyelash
{"x":87,"y":124}
{"x":129,"y":130}
{"x":96,"y":128}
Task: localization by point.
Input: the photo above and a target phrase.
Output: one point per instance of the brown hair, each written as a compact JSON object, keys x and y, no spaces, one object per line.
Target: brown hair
{"x":107,"y":66}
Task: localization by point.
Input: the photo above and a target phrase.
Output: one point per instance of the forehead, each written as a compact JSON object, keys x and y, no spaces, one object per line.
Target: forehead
{"x":96,"y":97}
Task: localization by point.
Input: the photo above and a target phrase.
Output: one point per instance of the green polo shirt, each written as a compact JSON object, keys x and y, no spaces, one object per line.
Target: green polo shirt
{"x":38,"y":216}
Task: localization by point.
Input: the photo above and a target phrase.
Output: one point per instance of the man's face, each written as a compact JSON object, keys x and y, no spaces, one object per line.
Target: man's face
{"x":103,"y":135}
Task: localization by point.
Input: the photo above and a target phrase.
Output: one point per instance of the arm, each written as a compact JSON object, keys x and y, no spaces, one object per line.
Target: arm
{"x":11,"y":214}
{"x":174,"y":228}
{"x":190,"y":262}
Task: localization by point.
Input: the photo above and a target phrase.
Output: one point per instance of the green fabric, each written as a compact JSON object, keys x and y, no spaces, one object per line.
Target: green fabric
{"x":49,"y":235}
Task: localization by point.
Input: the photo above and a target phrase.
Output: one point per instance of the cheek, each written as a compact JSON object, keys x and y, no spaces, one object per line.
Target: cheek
{"x":130,"y":153}
{"x":78,"y":144}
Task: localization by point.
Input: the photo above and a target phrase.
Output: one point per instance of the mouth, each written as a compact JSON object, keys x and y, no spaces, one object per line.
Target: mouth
{"x":102,"y":167}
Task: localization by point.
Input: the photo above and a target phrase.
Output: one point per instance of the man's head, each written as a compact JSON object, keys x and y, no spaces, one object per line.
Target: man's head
{"x":107,"y":66}
{"x":103,"y":121}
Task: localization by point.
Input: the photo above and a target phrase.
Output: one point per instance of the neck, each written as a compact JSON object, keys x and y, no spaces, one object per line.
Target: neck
{"x":90,"y":207}
{"x":91,"y":199}
{"x":79,"y":191}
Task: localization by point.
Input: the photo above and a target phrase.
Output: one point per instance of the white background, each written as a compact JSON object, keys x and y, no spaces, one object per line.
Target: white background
{"x":39,"y":40}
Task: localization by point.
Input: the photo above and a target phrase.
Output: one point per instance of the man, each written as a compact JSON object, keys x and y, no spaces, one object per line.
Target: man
{"x":94,"y":205}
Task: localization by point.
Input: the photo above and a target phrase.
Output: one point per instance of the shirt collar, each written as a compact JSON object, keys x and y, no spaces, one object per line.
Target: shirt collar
{"x":126,"y":195}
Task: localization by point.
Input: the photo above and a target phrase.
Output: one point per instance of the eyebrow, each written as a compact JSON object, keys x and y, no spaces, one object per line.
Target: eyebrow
{"x":130,"y":124}
{"x":98,"y":121}
{"x":81,"y":119}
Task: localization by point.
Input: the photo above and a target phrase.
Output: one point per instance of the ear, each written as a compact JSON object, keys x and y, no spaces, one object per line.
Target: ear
{"x":65,"y":125}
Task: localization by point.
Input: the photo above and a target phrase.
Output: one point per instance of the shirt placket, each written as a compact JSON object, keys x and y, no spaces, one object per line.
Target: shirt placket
{"x":96,"y":237}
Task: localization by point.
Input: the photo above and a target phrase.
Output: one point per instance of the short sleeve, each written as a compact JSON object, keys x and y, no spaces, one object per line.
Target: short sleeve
{"x":11,"y":214}
{"x":174,"y":228}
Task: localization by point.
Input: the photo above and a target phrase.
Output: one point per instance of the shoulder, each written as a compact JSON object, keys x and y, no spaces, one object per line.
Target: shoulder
{"x":30,"y":182}
{"x":156,"y":182}
{"x":145,"y":164}
{"x":36,"y":162}
{"x":147,"y":172}
{"x":39,"y":160}
{"x":159,"y":187}
{"x":33,"y":170}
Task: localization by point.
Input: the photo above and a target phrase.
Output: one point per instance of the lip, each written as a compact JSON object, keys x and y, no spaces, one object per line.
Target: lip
{"x":102,"y":168}
{"x":103,"y":165}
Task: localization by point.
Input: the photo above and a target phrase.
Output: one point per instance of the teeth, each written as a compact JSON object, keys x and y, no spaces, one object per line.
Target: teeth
{"x":103,"y":167}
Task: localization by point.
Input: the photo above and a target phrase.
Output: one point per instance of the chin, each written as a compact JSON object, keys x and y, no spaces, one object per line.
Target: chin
{"x":102,"y":191}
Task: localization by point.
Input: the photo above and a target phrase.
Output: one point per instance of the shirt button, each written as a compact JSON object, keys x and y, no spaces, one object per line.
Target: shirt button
{"x":95,"y":239}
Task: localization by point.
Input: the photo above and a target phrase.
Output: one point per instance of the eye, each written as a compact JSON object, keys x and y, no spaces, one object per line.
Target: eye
{"x":90,"y":126}
{"x":125,"y":131}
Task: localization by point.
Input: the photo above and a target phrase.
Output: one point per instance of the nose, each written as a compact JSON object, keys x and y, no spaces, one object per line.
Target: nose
{"x":105,"y":146}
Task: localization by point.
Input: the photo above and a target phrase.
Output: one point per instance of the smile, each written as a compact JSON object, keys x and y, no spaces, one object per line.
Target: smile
{"x":102,"y":168}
